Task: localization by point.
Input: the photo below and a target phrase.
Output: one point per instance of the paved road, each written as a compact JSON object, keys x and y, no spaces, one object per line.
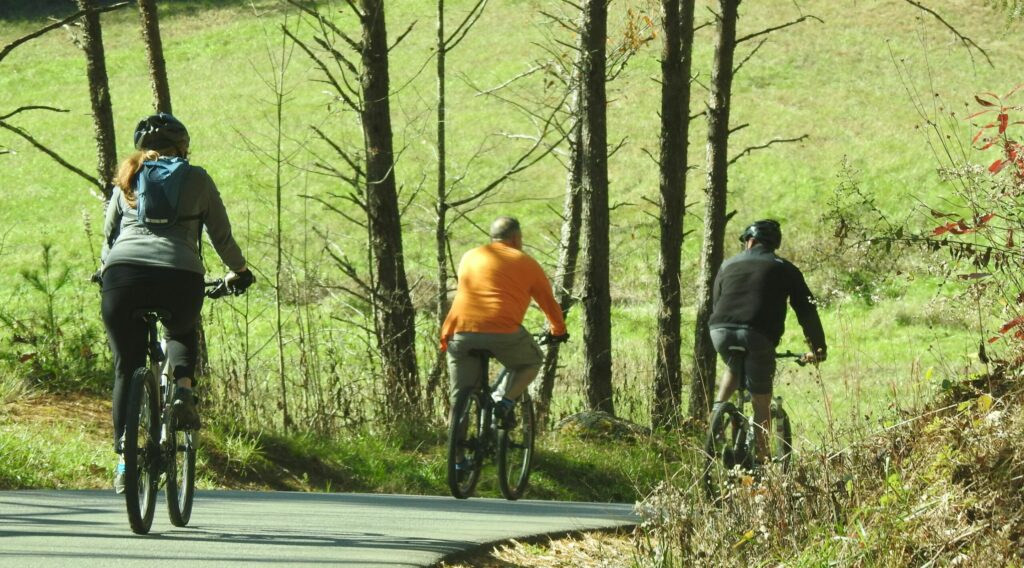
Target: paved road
{"x":239,"y":528}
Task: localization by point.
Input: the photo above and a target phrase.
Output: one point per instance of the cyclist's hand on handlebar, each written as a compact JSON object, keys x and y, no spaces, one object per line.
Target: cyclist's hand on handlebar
{"x":97,"y":277}
{"x":239,"y":282}
{"x":547,"y":338}
{"x":813,"y":358}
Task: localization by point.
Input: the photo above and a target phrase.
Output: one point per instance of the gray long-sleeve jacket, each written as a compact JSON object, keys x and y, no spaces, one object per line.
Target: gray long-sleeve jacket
{"x":127,"y":241}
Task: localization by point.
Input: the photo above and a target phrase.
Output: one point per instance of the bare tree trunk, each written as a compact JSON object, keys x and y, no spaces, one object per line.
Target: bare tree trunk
{"x":440,"y":229}
{"x":565,"y":274}
{"x":676,"y":62}
{"x":395,"y":317}
{"x":155,"y":51}
{"x":595,"y":296}
{"x":279,"y":70}
{"x":704,"y":357}
{"x":99,"y":95}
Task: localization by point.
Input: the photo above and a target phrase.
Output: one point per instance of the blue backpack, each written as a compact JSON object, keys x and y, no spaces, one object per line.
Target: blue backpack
{"x":158,"y":190}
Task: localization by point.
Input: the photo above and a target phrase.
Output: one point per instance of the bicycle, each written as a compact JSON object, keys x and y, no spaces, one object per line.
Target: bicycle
{"x":729,"y":448}
{"x":152,"y":445}
{"x":474,"y":436}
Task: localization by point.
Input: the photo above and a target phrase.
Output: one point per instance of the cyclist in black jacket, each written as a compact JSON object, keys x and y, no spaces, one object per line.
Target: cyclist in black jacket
{"x":750,"y":295}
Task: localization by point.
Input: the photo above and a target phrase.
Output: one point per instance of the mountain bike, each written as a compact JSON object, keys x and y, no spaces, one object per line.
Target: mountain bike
{"x":474,"y":436}
{"x":152,"y":444}
{"x":730,"y":449}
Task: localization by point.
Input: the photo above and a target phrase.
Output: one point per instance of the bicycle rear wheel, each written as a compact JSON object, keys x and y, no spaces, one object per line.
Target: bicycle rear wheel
{"x":515,"y":452}
{"x":141,"y":451}
{"x":466,"y":444}
{"x":180,"y":468}
{"x":782,"y":435}
{"x":725,"y":448}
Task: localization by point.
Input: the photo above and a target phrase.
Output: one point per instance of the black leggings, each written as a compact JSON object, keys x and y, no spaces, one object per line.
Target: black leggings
{"x":128,"y":288}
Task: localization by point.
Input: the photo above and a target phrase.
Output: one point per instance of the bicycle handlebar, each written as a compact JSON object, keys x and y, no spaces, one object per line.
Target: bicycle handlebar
{"x":545,"y":338}
{"x":792,"y":355}
{"x":219,"y":288}
{"x":214,"y":289}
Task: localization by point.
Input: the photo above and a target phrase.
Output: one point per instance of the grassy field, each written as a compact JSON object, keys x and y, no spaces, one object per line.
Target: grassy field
{"x":849,"y":82}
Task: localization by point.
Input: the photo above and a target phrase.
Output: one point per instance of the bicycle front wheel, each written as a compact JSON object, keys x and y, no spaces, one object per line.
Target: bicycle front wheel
{"x":180,"y":468}
{"x":515,"y":452}
{"x":782,"y":435}
{"x":141,"y":451}
{"x":466,"y":444}
{"x":724,"y":449}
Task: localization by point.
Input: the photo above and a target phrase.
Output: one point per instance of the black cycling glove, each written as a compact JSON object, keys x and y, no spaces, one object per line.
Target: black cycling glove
{"x":240,"y":284}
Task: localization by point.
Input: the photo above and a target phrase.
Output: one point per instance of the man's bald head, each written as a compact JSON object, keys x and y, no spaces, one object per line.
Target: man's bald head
{"x":506,"y":230}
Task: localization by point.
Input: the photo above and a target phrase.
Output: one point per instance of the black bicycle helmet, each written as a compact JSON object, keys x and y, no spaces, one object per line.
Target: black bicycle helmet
{"x":160,"y":131}
{"x":766,"y":231}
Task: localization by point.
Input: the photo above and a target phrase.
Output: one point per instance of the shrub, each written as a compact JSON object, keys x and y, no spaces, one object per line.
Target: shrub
{"x":54,"y":349}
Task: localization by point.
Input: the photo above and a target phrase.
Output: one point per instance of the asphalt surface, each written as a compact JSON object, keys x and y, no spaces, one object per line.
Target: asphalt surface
{"x":242,"y":528}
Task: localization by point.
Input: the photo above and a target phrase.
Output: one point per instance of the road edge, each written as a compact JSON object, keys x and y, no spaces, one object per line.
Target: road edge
{"x":475,"y":552}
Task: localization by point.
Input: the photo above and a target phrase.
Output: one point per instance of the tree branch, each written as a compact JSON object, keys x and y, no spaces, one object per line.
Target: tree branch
{"x":48,"y":28}
{"x":763,"y":146}
{"x":52,"y":154}
{"x":32,"y":107}
{"x":780,"y":27}
{"x":525,"y":160}
{"x":402,"y":36}
{"x":327,"y":72}
{"x":463,"y":28}
{"x":963,"y":39}
{"x":757,"y":48}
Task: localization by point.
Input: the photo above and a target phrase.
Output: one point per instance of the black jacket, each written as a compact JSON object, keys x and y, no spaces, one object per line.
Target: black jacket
{"x":751,"y":290}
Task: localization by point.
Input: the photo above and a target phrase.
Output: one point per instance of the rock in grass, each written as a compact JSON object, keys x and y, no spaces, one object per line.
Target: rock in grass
{"x":600,"y":424}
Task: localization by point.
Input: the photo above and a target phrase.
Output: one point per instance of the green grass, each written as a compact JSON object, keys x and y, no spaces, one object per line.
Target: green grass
{"x":835,"y":81}
{"x":48,"y":444}
{"x":53,"y":458}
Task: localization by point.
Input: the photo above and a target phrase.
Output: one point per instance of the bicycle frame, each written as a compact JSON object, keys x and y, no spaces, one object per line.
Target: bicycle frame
{"x":731,"y":437}
{"x":473,"y":431}
{"x":485,"y":390}
{"x":155,"y":464}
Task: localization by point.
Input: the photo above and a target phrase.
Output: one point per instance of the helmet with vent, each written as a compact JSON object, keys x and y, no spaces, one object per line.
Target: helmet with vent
{"x":160,"y":131}
{"x":766,"y":231}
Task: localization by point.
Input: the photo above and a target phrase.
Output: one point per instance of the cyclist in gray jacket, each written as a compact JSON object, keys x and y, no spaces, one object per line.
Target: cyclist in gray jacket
{"x":749,"y":315}
{"x":149,"y":263}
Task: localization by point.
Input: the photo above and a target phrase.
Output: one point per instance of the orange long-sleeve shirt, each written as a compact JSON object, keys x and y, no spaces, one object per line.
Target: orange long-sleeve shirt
{"x":496,"y":283}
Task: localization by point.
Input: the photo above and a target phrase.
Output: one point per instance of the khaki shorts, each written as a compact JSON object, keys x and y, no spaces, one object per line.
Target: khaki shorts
{"x":516,"y":351}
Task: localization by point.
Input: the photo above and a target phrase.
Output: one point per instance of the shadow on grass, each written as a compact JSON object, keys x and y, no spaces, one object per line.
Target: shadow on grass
{"x":564,"y":477}
{"x":32,"y":10}
{"x":576,"y":470}
{"x":279,"y":464}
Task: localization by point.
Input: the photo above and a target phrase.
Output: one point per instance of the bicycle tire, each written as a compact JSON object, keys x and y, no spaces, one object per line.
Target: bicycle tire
{"x":515,"y":452}
{"x":141,"y":451}
{"x":724,"y":448}
{"x":465,"y":444}
{"x":782,"y":436}
{"x":180,"y":469}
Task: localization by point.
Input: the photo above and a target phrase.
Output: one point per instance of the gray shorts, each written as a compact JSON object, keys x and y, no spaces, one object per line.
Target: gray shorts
{"x":516,"y":351}
{"x":748,"y":354}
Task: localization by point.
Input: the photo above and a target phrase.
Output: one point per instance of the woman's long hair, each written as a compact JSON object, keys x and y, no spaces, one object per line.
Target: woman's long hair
{"x":128,"y":171}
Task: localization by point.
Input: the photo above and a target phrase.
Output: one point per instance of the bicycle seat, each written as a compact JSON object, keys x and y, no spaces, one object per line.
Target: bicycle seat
{"x":144,"y":313}
{"x":482,"y":353}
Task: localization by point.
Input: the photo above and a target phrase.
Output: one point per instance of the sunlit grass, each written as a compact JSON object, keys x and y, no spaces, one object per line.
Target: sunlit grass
{"x":836,"y":82}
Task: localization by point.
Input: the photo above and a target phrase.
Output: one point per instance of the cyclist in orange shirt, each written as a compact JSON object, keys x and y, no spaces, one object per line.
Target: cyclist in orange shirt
{"x":495,"y":285}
